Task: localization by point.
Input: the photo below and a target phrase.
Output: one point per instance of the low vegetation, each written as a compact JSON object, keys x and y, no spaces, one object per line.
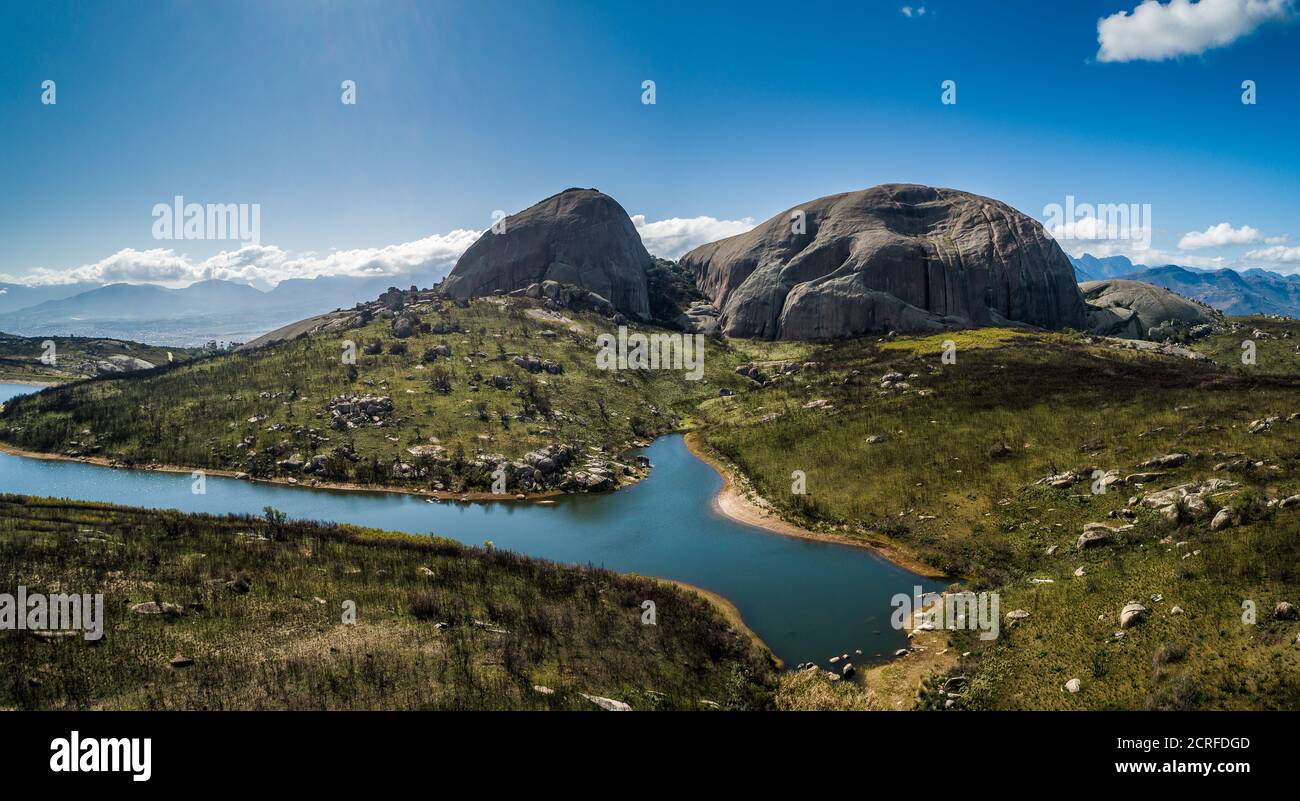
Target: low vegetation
{"x":986,"y":464}
{"x":947,"y":461}
{"x":452,"y":388}
{"x":249,"y":614}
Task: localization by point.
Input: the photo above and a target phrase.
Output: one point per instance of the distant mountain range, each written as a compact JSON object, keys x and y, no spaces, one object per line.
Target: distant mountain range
{"x":20,"y":296}
{"x":1253,"y":291}
{"x":204,"y":311}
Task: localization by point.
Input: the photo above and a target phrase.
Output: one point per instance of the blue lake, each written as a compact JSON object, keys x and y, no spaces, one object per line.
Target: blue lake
{"x":808,"y":600}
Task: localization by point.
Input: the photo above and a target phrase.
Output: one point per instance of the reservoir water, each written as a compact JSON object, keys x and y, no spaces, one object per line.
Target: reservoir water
{"x":808,"y":600}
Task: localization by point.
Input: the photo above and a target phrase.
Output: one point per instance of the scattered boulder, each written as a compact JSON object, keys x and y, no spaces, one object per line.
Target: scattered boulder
{"x":1223,"y":519}
{"x":1141,"y":478}
{"x":156,"y":608}
{"x":402,"y":327}
{"x":607,"y":704}
{"x":1132,"y":614}
{"x":358,"y":411}
{"x":1167,"y":460}
{"x":1097,"y":534}
{"x":1261,"y":425}
{"x":1192,"y":495}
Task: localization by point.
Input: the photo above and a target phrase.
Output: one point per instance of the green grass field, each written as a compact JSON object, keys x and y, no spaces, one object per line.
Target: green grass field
{"x":954,"y":482}
{"x":437,"y":625}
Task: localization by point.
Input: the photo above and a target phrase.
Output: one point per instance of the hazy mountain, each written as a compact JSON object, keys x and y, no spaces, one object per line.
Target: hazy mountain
{"x":1253,"y":291}
{"x":204,"y":311}
{"x":20,"y":296}
{"x":1091,"y":268}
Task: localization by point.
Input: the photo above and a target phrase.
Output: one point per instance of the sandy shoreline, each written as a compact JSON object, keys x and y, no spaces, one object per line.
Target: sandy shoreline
{"x":27,"y":382}
{"x":733,"y":503}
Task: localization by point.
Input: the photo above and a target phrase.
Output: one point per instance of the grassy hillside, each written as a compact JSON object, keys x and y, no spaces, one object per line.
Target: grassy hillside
{"x":253,"y":411}
{"x":257,"y":605}
{"x":76,"y":357}
{"x":945,"y":461}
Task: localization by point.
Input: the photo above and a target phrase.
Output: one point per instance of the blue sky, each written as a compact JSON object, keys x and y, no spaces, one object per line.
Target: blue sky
{"x":466,"y":108}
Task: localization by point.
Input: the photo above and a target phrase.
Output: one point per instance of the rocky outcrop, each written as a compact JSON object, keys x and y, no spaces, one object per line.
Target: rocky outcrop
{"x":579,"y":237}
{"x":358,"y":411}
{"x":896,"y":257}
{"x":556,"y":297}
{"x":1136,"y":310}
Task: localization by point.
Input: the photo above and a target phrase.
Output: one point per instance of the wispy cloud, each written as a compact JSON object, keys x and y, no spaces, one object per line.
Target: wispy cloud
{"x":268,"y":265}
{"x":261,"y":265}
{"x":909,"y":11}
{"x":1278,"y":254}
{"x":1218,"y":236}
{"x":1155,"y":31}
{"x":669,"y":239}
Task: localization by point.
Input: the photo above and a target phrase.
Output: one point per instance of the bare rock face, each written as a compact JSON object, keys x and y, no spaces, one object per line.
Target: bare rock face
{"x":579,"y":237}
{"x":1137,"y":310}
{"x":896,"y":257}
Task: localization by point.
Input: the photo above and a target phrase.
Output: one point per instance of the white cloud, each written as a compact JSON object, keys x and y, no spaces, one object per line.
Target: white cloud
{"x":1217,"y":236}
{"x":1275,"y":255}
{"x":267,"y":265}
{"x":1154,"y":31}
{"x":908,"y":11}
{"x":1098,"y":229}
{"x":669,"y":239}
{"x":261,"y":265}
